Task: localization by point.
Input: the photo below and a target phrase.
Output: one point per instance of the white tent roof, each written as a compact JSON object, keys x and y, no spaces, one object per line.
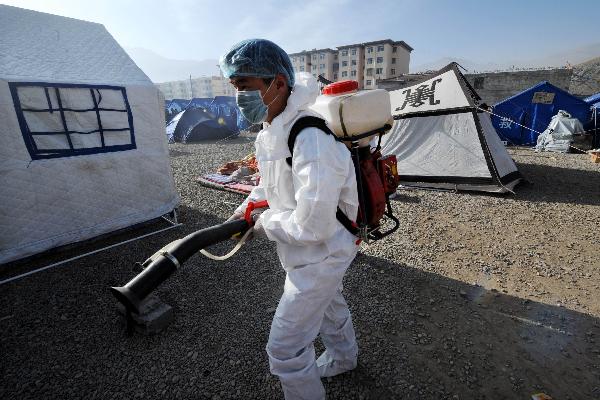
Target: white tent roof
{"x":49,"y":48}
{"x":449,"y":94}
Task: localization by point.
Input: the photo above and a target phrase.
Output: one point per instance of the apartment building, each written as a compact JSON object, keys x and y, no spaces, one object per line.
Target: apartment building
{"x":208,"y":86}
{"x":301,"y":61}
{"x":365,"y":63}
{"x":352,"y":63}
{"x":322,"y":62}
{"x":385,"y":59}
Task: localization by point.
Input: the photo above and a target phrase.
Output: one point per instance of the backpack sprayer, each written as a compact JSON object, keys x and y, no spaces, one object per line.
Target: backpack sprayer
{"x":355,"y":118}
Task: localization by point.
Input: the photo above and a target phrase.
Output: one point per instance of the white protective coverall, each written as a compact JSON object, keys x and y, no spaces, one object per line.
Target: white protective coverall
{"x":314,"y":248}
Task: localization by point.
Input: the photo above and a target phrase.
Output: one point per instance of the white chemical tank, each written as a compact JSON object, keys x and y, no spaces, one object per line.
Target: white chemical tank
{"x":352,"y":112}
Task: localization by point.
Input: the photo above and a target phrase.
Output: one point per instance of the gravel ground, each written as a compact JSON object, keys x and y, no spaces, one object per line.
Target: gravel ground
{"x":475,"y":297}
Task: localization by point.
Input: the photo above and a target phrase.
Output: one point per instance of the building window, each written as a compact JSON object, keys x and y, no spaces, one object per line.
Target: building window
{"x":379,"y":60}
{"x":344,"y":63}
{"x":394,"y":49}
{"x":314,"y":67}
{"x":369,"y":49}
{"x":353,"y":73}
{"x":336,"y":66}
{"x":293,"y":59}
{"x":302,"y":68}
{"x":321,"y":66}
{"x":353,"y":52}
{"x":344,"y":53}
{"x":369,"y":71}
{"x":321,"y":56}
{"x":380,"y":47}
{"x":335,"y":76}
{"x":369,"y":82}
{"x":302,"y":59}
{"x":478,"y":82}
{"x":369,"y":61}
{"x":379,"y":71}
{"x":353,"y":62}
{"x":344,"y":74}
{"x":314,"y":56}
{"x":335,"y":56}
{"x":63,"y":120}
{"x":393,"y":71}
{"x":393,"y":61}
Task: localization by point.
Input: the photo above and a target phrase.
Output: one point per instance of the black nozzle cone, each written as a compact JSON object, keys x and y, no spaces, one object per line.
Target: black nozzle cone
{"x":127,"y":298}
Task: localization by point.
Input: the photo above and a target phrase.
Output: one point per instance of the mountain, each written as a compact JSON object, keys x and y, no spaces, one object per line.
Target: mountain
{"x":162,"y":69}
{"x":572,"y":56}
{"x":586,"y":78}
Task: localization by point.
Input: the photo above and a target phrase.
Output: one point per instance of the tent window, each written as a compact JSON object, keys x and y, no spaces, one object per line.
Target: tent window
{"x":65,"y":120}
{"x":478,"y":82}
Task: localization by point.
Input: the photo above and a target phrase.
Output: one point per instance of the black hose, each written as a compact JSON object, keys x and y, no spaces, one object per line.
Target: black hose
{"x":133,"y":293}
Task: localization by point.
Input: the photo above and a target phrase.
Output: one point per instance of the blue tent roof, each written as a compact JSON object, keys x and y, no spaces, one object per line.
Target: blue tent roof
{"x":182,"y":103}
{"x":593,"y":100}
{"x":534,"y":108}
{"x":200,"y":102}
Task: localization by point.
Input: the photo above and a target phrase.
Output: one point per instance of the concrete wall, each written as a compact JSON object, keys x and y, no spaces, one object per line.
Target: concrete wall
{"x":497,"y":86}
{"x":494,"y":86}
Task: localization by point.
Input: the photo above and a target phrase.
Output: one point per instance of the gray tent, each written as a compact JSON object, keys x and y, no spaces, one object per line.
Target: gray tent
{"x":442,"y":140}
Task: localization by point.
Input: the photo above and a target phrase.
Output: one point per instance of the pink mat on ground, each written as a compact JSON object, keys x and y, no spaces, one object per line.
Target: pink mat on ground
{"x":224,"y":182}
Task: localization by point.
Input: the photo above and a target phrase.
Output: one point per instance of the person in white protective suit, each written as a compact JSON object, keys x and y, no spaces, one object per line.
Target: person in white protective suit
{"x":314,"y":248}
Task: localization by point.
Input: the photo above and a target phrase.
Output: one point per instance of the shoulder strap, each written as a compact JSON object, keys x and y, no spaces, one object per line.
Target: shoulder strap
{"x":316,"y":122}
{"x":299,"y":125}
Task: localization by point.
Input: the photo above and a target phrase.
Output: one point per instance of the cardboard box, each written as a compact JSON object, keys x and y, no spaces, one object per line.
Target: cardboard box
{"x":595,"y":155}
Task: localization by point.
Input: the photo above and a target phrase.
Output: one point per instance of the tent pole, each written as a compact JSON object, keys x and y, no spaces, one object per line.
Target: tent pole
{"x":174,"y":224}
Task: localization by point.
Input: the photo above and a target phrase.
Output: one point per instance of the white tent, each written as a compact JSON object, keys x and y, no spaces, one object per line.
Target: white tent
{"x":558,"y":136}
{"x":82,"y":144}
{"x":442,"y":140}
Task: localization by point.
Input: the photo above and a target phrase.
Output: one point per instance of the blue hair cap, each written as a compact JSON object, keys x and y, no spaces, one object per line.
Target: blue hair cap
{"x":259,"y":58}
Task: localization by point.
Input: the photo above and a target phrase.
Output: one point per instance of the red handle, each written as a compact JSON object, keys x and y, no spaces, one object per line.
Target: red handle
{"x":251,"y":207}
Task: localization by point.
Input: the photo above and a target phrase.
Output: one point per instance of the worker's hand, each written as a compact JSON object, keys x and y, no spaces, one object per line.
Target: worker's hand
{"x":258,"y":223}
{"x":235,"y":215}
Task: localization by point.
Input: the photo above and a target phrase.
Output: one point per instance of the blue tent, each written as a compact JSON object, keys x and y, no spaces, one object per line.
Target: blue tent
{"x":197,"y":124}
{"x":534,"y":108}
{"x":594,"y":124}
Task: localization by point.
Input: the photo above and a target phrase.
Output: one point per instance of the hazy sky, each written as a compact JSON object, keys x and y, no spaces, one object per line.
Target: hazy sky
{"x":486,"y":31}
